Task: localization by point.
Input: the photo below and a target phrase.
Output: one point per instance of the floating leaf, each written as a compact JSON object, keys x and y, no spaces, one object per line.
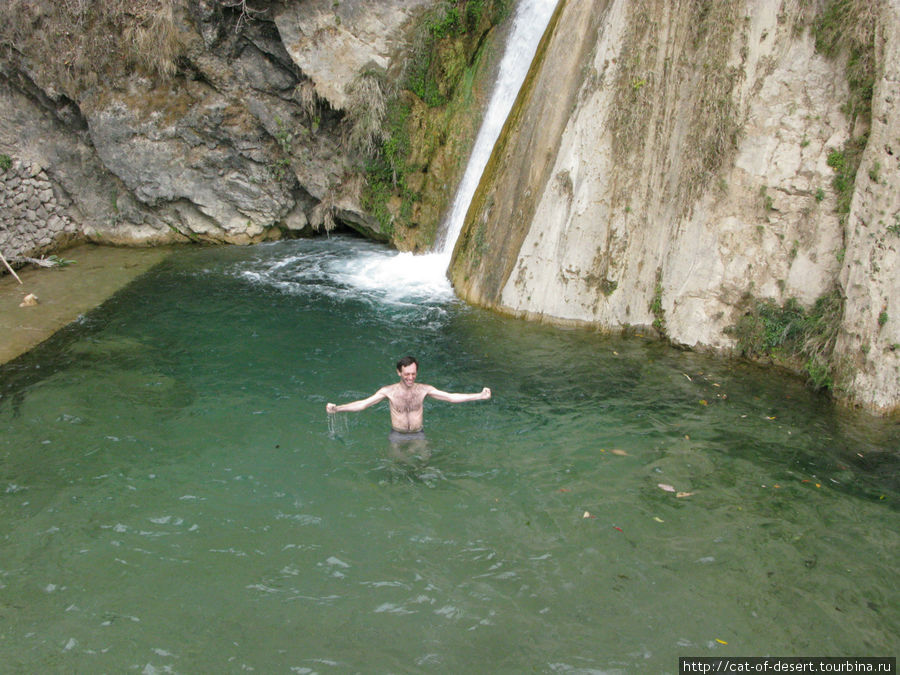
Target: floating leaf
{"x":684,"y":494}
{"x":658,"y":519}
{"x":666,"y":487}
{"x":620,"y":453}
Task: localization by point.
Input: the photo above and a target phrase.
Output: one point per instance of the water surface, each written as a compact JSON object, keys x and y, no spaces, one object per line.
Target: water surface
{"x":174,"y":498}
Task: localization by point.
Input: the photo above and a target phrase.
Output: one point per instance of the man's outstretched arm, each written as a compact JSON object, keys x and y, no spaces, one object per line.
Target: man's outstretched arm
{"x":449,"y":397}
{"x":356,"y":406}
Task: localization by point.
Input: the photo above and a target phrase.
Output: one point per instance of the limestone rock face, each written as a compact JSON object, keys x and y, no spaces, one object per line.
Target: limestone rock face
{"x":246,"y":142}
{"x":869,"y":343}
{"x":688,"y":173}
{"x":186,"y":152}
{"x":332,"y":42}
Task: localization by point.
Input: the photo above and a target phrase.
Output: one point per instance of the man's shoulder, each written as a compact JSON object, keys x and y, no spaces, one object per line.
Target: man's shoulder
{"x":391,"y":389}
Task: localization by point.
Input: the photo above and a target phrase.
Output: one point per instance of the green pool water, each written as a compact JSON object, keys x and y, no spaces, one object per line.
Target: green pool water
{"x":174,"y":498}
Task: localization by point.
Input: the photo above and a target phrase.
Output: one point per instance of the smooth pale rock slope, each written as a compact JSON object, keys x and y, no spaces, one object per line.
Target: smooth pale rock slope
{"x":333,"y":42}
{"x":870,"y":276}
{"x":661,"y":168}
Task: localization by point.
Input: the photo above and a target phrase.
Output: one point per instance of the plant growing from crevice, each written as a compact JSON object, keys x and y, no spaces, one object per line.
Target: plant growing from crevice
{"x":281,"y":166}
{"x":608,"y":286}
{"x":307,"y":99}
{"x":284,"y":136}
{"x":656,"y":307}
{"x":791,"y":334}
{"x":365,"y":112}
{"x":894,"y":228}
{"x":845,"y":164}
{"x":768,"y":202}
{"x":848,"y":28}
{"x":874,"y":171}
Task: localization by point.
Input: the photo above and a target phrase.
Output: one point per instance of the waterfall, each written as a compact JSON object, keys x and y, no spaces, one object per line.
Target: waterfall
{"x":403,"y":275}
{"x":528,"y":26}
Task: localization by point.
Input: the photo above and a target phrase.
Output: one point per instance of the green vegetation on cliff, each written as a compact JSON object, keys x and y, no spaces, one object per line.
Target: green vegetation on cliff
{"x":429,"y":121}
{"x":791,"y":335}
{"x":848,"y":29}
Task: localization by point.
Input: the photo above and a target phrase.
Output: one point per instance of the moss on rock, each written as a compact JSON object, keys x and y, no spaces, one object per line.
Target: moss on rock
{"x":432,"y":120}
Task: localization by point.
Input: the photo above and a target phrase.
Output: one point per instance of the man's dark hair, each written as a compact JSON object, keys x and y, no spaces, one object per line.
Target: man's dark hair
{"x":406,"y":361}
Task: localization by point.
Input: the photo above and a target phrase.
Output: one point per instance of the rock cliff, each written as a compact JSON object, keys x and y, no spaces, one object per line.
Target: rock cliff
{"x":672,"y":167}
{"x":236,"y":122}
{"x":869,"y":340}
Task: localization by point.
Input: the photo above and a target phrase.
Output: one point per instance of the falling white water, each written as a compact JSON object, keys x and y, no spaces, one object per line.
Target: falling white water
{"x":398,"y":274}
{"x":530,"y":21}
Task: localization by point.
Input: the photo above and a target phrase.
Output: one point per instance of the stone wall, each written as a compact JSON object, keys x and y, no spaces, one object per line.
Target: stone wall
{"x":33,"y":216}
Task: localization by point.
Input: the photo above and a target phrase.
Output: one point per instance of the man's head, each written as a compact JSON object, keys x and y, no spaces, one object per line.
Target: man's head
{"x":407,"y":368}
{"x":406,"y":361}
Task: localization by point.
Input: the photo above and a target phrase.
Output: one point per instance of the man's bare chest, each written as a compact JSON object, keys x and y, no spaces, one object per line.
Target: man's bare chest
{"x":407,"y":400}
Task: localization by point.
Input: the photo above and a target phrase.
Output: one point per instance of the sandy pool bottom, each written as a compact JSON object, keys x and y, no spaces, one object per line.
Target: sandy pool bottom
{"x":66,"y":292}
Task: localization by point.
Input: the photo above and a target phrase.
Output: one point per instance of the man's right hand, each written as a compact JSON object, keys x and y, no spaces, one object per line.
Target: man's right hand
{"x":330,"y":408}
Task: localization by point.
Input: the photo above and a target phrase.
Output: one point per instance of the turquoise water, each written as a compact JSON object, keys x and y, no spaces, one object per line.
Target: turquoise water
{"x":174,"y":498}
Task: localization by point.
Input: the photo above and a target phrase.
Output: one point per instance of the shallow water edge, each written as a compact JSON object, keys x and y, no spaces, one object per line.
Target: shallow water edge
{"x":65,"y":293}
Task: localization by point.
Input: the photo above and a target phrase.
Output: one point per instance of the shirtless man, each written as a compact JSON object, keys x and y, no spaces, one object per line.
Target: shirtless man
{"x":406,"y":400}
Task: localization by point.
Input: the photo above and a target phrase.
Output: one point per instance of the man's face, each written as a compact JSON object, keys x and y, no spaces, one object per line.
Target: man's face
{"x":408,"y":374}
